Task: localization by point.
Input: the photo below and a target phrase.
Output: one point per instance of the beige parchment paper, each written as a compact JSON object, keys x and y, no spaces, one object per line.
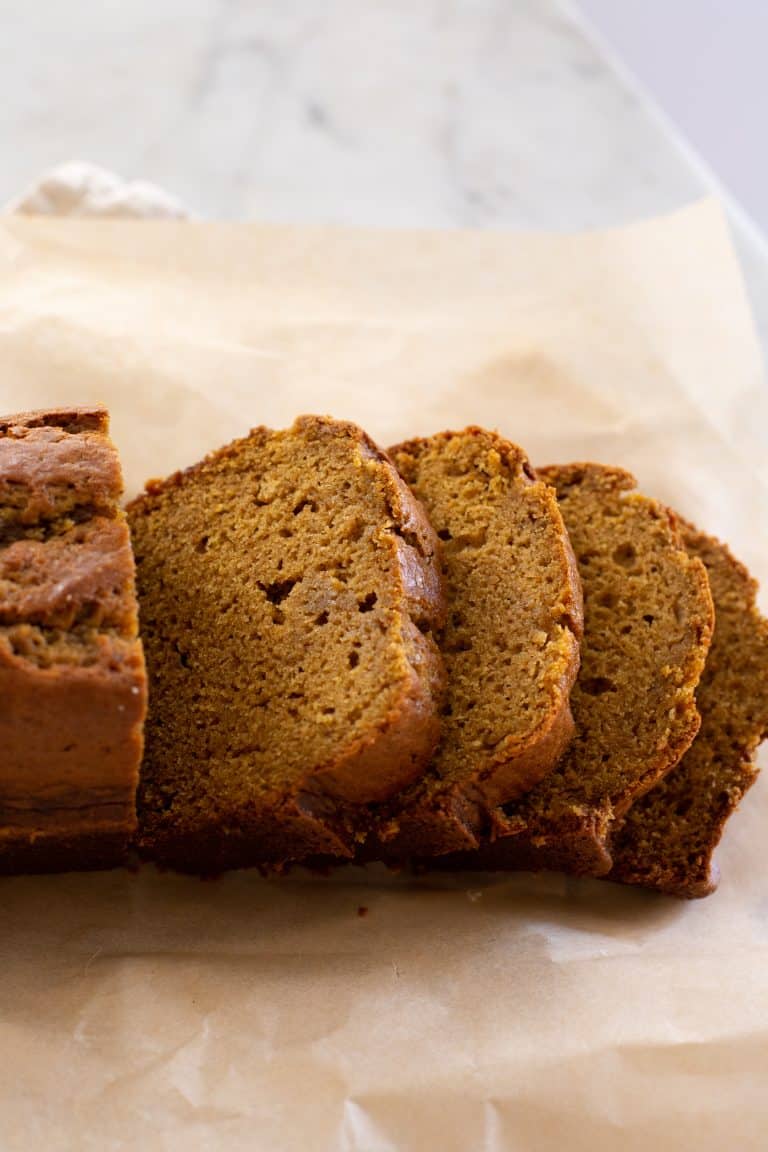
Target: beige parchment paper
{"x":460,"y":1013}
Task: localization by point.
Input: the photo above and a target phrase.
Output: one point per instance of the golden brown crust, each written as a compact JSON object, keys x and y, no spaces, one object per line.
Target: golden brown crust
{"x":313,"y":808}
{"x":393,"y":755}
{"x":669,"y":836}
{"x":72,"y":676}
{"x":451,"y":807}
{"x":64,"y":851}
{"x":55,"y":464}
{"x":633,"y":701}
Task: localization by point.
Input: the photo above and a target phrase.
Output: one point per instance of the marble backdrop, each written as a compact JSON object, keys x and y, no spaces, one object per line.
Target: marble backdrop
{"x":395,"y":112}
{"x":413,"y":112}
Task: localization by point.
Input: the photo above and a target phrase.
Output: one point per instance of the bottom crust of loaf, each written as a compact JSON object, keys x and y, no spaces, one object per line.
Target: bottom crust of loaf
{"x":69,"y":852}
{"x":578,"y":854}
{"x":270,"y":840}
{"x":454,"y":820}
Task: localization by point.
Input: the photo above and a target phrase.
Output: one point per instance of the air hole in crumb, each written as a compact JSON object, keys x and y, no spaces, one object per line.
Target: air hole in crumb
{"x":597,"y":685}
{"x":354,"y":659}
{"x":277,"y":591}
{"x":367,"y":603}
{"x":202,"y":544}
{"x":322,"y":618}
{"x":649,"y":619}
{"x":625,"y":555}
{"x":445,"y":534}
{"x":683,"y":807}
{"x":459,"y":644}
{"x":302,"y":504}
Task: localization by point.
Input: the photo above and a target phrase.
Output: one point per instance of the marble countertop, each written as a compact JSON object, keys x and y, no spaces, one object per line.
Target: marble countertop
{"x":480,"y":113}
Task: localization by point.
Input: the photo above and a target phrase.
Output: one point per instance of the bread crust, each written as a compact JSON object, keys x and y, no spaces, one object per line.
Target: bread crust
{"x":576,"y":839}
{"x":72,"y":678}
{"x":455,"y":817}
{"x":668,"y":838}
{"x":318,"y":814}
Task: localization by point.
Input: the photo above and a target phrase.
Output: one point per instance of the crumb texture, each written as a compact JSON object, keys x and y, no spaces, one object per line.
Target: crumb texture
{"x":648,"y":620}
{"x":511,"y":641}
{"x":71,"y":665}
{"x":669,"y":835}
{"x":289,"y":589}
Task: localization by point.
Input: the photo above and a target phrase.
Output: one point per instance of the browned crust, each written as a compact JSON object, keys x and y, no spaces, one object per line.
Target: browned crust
{"x":579,"y":843}
{"x":94,"y":418}
{"x":57,"y":852}
{"x":395,"y":754}
{"x":579,"y":854}
{"x":459,"y":819}
{"x":685,"y":815}
{"x":271,"y":838}
{"x":69,"y":732}
{"x":687,"y":719}
{"x":454,"y":818}
{"x":318,"y":817}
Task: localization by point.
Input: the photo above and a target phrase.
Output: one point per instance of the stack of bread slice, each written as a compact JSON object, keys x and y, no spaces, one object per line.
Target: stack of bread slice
{"x":436,"y":654}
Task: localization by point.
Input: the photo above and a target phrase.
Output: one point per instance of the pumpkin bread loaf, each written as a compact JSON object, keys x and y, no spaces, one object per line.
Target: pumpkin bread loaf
{"x":669,"y":835}
{"x":647,"y":628}
{"x":72,"y":680}
{"x":511,"y":642}
{"x":289,"y":588}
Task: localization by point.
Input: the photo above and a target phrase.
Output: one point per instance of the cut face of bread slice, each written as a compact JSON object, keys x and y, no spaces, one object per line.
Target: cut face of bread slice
{"x":670,"y":834}
{"x":289,"y":585}
{"x":511,"y":642}
{"x":72,"y":678}
{"x":648,"y":620}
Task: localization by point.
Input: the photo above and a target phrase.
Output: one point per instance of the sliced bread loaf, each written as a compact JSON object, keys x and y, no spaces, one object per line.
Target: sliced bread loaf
{"x":647,"y":628}
{"x":669,"y":835}
{"x":289,"y":587}
{"x":511,"y":642}
{"x":72,"y":680}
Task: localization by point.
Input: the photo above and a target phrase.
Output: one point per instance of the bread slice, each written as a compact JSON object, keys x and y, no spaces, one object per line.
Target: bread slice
{"x":72,"y":680}
{"x":669,"y":835}
{"x":647,"y":628}
{"x":511,"y":643}
{"x":289,"y":587}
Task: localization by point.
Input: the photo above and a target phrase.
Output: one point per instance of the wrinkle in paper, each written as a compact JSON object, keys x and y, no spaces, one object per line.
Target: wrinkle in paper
{"x":497,"y":1013}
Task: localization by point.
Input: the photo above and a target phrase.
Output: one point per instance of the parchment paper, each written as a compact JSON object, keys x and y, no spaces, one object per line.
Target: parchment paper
{"x":460,"y":1013}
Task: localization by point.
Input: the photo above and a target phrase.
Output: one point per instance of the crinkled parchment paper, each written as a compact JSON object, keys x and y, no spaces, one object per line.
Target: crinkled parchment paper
{"x":528,"y":1013}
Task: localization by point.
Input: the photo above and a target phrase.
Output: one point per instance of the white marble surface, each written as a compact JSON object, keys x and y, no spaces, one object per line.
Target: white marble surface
{"x":491,"y":113}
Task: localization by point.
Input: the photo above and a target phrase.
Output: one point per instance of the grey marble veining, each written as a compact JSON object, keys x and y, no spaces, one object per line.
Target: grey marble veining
{"x":412,"y":112}
{"x":488,"y":113}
